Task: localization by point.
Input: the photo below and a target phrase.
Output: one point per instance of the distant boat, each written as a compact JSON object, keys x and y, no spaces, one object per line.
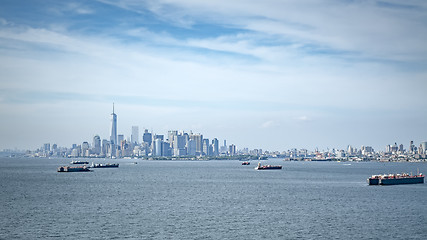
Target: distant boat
{"x":73,"y":169}
{"x":107,"y":165}
{"x":267,"y":167}
{"x":246,"y":163}
{"x":79,"y":162}
{"x":395,"y":179}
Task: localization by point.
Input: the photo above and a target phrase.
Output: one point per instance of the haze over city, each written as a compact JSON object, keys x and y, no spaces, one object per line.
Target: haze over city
{"x":261,"y":74}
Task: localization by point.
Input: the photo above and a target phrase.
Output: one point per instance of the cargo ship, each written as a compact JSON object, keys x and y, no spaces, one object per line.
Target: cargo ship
{"x":107,"y":165}
{"x":267,"y":167}
{"x":395,"y":179}
{"x":73,"y":169}
{"x":79,"y":162}
{"x":246,"y":163}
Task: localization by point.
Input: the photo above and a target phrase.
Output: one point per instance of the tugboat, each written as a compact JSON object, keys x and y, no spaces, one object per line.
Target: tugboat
{"x":395,"y":179}
{"x":107,"y":165}
{"x":73,"y":169}
{"x":267,"y":167}
{"x":246,"y":163}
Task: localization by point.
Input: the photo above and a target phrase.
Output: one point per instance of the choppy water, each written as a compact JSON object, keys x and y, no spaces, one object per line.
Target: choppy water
{"x":209,"y":200}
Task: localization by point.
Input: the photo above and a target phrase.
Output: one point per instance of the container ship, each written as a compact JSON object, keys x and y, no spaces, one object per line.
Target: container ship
{"x":394,"y":179}
{"x":267,"y":167}
{"x":107,"y":165}
{"x":73,"y":169}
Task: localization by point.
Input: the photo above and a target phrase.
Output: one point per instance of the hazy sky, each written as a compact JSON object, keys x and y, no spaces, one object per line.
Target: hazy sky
{"x":262,"y":74}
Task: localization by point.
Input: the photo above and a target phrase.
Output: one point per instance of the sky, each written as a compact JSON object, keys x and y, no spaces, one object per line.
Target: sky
{"x":273,"y":74}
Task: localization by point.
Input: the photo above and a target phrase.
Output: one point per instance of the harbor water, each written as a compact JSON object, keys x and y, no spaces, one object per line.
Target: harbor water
{"x":209,"y":200}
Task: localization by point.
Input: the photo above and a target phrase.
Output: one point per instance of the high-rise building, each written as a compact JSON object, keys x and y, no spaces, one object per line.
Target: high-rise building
{"x":179,"y":145}
{"x":135,"y":133}
{"x":215,"y":147}
{"x":206,"y":147}
{"x":198,"y":139}
{"x":158,"y":147}
{"x":191,"y":147}
{"x":46,"y":147}
{"x":120,"y":139}
{"x":113,"y":135}
{"x":147,"y":137}
{"x":96,"y":145}
{"x":423,"y":145}
{"x":171,"y":138}
{"x":105,"y":147}
{"x":232,"y":150}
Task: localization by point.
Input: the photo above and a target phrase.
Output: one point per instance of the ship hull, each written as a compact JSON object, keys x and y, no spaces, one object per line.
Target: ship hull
{"x":106,"y":167}
{"x":374,"y":181}
{"x":396,"y":181}
{"x":73,"y":169}
{"x":269,"y":168}
{"x":412,"y":180}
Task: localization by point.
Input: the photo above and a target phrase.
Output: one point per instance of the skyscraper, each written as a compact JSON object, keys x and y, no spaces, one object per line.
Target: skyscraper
{"x":113,"y":135}
{"x":135,"y":133}
{"x":198,"y":139}
{"x":147,"y":137}
{"x":96,"y":145}
{"x":215,"y":146}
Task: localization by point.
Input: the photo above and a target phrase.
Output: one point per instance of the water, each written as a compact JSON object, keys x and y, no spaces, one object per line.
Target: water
{"x":209,"y":200}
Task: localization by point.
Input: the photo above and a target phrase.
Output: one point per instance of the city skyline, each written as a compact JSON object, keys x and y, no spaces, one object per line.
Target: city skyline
{"x":179,"y":143}
{"x":273,"y":75}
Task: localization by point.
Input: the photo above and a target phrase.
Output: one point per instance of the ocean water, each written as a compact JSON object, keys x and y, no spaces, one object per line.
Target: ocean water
{"x":209,"y":200}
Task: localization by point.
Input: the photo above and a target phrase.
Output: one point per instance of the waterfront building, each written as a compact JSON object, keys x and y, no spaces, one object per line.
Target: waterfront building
{"x":157,"y":147}
{"x":191,"y":147}
{"x":179,"y":142}
{"x":166,"y":149}
{"x":134,"y":136}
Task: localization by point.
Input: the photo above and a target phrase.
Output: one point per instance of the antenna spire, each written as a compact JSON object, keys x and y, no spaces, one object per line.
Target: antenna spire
{"x":113,"y":108}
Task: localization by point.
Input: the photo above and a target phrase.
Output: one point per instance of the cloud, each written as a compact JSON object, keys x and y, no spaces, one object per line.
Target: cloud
{"x":268,"y":124}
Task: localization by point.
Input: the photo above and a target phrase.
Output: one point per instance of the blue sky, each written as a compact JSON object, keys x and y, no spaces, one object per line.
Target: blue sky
{"x":262,"y":74}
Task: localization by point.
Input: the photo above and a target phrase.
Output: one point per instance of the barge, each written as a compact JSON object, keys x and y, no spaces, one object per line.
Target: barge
{"x":73,"y":169}
{"x":79,"y":162}
{"x":267,"y":167}
{"x":395,"y":179}
{"x":107,"y":165}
